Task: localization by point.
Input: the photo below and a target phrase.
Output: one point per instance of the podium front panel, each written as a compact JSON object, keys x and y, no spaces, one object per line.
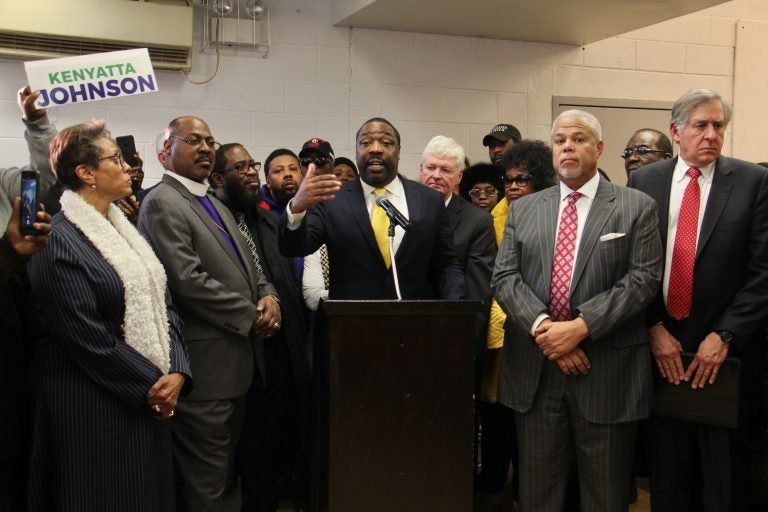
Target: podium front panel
{"x":394,"y":409}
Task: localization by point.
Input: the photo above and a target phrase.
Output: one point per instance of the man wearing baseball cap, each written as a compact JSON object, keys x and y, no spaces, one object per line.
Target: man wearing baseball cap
{"x":319,"y":152}
{"x":501,"y":137}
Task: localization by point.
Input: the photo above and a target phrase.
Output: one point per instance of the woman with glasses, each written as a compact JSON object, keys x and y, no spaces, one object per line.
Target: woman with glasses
{"x":528,"y":169}
{"x":113,"y":368}
{"x":482,"y":185}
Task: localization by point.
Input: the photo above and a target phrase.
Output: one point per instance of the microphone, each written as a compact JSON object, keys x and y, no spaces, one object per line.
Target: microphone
{"x":393,"y":213}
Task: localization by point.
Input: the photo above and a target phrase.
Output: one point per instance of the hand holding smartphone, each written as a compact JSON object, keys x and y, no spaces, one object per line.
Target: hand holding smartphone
{"x":29,"y":202}
{"x":127,"y":146}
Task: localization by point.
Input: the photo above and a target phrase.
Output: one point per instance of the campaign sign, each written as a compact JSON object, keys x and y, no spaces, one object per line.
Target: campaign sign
{"x":94,"y":77}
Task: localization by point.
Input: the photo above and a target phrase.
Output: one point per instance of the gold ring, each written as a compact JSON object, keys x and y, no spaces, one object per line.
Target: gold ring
{"x":171,"y":413}
{"x":156,"y":408}
{"x":277,"y":325}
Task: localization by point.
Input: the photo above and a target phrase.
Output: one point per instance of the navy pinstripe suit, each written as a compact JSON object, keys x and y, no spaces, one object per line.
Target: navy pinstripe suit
{"x":613,"y":280}
{"x":96,"y":445}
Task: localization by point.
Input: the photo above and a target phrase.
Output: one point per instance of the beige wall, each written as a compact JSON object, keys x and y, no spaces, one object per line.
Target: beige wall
{"x":324,"y":81}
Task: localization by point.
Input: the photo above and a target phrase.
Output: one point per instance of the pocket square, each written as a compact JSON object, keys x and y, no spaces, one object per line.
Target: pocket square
{"x":611,"y":236}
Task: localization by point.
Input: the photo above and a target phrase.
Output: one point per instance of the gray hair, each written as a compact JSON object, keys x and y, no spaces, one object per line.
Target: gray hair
{"x":692,"y":99}
{"x":445,"y":148}
{"x":588,"y":119}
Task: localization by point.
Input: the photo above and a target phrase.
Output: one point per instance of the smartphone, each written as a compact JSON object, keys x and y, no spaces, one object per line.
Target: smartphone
{"x":29,"y":202}
{"x":128,"y":148}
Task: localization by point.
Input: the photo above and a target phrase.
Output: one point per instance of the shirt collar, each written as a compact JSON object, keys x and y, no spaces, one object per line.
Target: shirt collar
{"x":195,"y":188}
{"x":394,"y":188}
{"x":681,"y":168}
{"x":589,"y":189}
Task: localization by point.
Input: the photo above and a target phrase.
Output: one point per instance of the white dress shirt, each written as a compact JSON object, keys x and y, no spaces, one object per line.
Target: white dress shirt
{"x":679,"y":181}
{"x":583,"y":205}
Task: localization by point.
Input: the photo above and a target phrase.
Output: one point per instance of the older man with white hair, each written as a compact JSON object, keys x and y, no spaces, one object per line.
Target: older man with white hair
{"x":441,"y":168}
{"x":577,"y":266}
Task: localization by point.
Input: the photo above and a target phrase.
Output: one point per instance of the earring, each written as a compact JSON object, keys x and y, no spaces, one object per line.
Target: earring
{"x":93,"y":186}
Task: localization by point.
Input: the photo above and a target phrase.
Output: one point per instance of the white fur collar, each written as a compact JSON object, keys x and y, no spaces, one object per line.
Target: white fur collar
{"x":145,"y":326}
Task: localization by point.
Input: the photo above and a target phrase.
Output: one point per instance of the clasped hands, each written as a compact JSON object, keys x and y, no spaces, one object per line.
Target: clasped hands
{"x":559,"y":341}
{"x":268,"y":317}
{"x":703,"y":370}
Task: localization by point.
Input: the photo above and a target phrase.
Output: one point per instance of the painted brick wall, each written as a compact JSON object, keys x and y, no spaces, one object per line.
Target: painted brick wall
{"x":321,"y":80}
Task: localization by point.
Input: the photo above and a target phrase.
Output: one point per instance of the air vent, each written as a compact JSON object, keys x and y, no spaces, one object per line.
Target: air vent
{"x":59,"y":28}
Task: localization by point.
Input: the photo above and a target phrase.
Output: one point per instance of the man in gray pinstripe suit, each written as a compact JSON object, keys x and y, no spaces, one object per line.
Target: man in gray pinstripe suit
{"x":578,"y":264}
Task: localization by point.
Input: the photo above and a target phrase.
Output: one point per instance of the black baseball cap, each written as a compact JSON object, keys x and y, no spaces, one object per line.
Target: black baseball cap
{"x":319,"y":145}
{"x":502,"y":132}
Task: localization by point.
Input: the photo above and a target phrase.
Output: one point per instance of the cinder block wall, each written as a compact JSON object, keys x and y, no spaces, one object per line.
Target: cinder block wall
{"x":324,"y":81}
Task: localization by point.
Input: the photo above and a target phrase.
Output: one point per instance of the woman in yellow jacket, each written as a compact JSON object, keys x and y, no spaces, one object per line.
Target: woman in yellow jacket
{"x":528,"y":169}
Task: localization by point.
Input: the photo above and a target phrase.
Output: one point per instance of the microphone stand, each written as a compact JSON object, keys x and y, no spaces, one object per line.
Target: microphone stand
{"x":391,"y":235}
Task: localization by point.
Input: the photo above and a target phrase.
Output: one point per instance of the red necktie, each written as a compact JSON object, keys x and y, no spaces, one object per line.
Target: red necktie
{"x":565,"y":245}
{"x":680,"y":291}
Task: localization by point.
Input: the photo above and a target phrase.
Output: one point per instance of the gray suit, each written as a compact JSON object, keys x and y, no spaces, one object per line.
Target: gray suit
{"x":613,"y":281}
{"x":215,"y":292}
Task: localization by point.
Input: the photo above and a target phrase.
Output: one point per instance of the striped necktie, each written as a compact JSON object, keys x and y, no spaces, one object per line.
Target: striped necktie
{"x":243,"y":228}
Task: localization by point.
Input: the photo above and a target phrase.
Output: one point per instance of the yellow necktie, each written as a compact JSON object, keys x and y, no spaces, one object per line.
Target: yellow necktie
{"x":380,"y":224}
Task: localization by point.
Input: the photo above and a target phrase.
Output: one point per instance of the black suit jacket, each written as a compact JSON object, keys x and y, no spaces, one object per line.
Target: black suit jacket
{"x":426,"y":262}
{"x":474,"y":241}
{"x":280,"y":272}
{"x":730,"y":277}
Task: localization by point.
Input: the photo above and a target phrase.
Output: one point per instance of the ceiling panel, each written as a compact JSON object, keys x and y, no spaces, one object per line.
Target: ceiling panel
{"x":575,"y":22}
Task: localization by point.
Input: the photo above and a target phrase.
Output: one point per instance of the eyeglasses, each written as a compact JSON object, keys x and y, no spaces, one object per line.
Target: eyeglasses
{"x":521,"y":180}
{"x":117,"y":158}
{"x":319,"y":161}
{"x":486,"y":191}
{"x":242,"y":167}
{"x":194,"y":140}
{"x":640,"y":150}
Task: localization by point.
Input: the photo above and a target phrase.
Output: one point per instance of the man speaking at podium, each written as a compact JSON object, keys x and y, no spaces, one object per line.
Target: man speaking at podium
{"x":347,"y":218}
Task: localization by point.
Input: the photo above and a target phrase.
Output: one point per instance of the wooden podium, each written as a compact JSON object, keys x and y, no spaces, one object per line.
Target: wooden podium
{"x":393,"y":409}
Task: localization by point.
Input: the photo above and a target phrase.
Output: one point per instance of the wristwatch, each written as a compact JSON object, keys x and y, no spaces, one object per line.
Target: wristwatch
{"x":726,"y":336}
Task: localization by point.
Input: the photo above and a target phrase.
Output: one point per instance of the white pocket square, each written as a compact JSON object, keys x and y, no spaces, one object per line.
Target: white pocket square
{"x":611,"y":236}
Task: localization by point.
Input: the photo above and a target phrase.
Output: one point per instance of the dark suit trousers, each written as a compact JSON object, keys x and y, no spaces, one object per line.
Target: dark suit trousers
{"x":270,"y":436}
{"x":552,"y":433}
{"x":690,"y":469}
{"x":205,"y":434}
{"x":697,"y":467}
{"x":498,"y":445}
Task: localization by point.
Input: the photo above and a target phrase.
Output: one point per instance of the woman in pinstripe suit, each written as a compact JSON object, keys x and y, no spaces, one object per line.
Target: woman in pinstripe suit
{"x":116,"y":363}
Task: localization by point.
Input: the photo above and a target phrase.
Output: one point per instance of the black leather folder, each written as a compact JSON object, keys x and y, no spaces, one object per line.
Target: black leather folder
{"x":715,"y":404}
